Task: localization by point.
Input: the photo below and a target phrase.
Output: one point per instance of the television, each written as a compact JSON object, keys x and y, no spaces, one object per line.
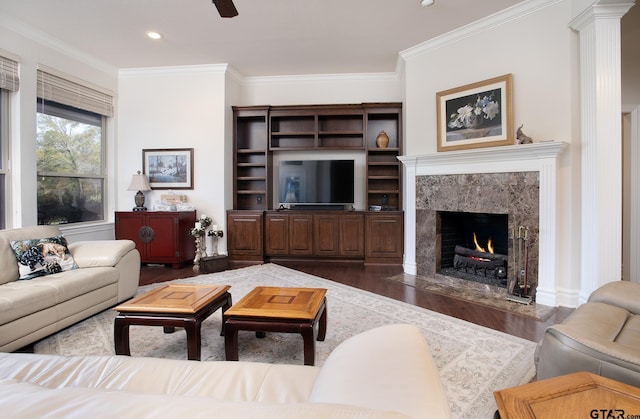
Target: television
{"x":316,"y":183}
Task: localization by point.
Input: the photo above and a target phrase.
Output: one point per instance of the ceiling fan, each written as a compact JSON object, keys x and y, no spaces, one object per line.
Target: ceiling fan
{"x":225,"y":8}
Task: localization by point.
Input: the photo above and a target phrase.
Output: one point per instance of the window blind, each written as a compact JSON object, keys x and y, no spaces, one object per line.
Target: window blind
{"x":9,"y":78}
{"x":70,"y":93}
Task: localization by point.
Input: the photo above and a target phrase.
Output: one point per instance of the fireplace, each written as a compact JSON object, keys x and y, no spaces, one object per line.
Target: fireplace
{"x":474,"y":246}
{"x":520,"y":178}
{"x":495,"y":205}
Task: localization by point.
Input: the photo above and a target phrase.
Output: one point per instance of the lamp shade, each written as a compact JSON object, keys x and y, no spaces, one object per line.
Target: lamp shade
{"x":139,"y":182}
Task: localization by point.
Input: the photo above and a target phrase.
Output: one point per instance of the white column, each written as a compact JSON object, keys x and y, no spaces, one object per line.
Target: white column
{"x":634,"y":233}
{"x":601,"y":131}
{"x":409,"y":198}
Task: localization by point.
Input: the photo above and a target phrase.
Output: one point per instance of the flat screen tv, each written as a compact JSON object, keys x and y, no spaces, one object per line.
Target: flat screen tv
{"x":316,"y":183}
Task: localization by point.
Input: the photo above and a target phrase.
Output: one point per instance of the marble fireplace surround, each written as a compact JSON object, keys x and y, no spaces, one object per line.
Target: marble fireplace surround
{"x":515,"y":160}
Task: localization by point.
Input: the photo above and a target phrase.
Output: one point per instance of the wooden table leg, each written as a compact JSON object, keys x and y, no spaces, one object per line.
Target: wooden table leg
{"x":194,"y":343}
{"x":322,"y":328}
{"x":309,"y":343}
{"x":230,"y":341}
{"x":225,"y":306}
{"x":121,"y":336}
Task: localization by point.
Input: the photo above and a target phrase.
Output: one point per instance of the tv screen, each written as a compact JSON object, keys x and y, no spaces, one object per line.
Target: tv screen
{"x":315,"y":182}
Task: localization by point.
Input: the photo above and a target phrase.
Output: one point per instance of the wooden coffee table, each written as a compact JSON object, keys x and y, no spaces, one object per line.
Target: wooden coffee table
{"x":171,"y":306}
{"x":577,"y":395}
{"x":277,"y":309}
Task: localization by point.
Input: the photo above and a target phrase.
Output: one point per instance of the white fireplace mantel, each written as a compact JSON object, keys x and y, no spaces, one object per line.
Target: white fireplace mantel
{"x":536,"y":157}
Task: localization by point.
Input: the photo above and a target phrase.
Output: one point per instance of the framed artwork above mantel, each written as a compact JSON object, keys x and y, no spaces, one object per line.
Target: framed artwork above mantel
{"x":475,"y":115}
{"x":168,"y":168}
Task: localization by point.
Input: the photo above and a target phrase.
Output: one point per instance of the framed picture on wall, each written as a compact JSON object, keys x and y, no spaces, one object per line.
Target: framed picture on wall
{"x":476,"y":115}
{"x":168,"y":168}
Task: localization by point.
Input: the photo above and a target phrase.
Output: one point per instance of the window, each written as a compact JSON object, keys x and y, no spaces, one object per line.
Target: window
{"x":70,"y":151}
{"x":9,"y":82}
{"x":70,"y":165}
{"x":4,"y":140}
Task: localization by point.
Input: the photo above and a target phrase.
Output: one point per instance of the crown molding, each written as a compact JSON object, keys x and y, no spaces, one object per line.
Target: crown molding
{"x":181,"y":69}
{"x":500,"y":18}
{"x":310,"y":78}
{"x":601,"y":10}
{"x":55,"y":44}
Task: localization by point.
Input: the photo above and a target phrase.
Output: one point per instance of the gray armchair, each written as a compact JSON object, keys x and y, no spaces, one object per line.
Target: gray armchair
{"x":601,"y":336}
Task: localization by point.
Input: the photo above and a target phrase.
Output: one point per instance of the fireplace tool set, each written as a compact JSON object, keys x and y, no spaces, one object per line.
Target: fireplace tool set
{"x":520,"y":284}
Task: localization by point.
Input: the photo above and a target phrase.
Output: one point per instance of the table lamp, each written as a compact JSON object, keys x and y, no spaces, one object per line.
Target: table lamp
{"x":140,"y":183}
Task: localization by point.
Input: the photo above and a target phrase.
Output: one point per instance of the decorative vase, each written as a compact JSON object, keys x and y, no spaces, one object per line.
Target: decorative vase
{"x":382,"y":140}
{"x":210,"y":245}
{"x":214,"y":246}
{"x":198,"y":254}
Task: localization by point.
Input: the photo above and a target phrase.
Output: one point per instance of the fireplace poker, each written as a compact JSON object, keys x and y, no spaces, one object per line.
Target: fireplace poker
{"x":526,"y":262}
{"x":521,"y":238}
{"x":512,"y":283}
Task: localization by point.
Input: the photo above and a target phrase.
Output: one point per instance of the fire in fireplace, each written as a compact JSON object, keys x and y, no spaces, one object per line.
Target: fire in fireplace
{"x":474,"y":246}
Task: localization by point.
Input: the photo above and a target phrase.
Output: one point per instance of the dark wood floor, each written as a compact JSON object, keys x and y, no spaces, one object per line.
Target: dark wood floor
{"x":373,"y":278}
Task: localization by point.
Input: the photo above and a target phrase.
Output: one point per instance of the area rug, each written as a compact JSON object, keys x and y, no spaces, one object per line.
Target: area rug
{"x":483,"y":294}
{"x":473,"y":361}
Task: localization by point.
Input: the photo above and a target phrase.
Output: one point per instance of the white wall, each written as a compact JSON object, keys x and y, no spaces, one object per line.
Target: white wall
{"x":175,"y":107}
{"x":543,"y":65}
{"x":322,"y":89}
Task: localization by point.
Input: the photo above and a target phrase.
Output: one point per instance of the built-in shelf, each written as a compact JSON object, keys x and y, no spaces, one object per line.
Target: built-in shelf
{"x":261,"y":131}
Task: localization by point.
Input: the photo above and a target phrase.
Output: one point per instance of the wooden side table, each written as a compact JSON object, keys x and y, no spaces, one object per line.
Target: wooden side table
{"x":577,"y":395}
{"x":278,"y":309}
{"x":171,"y":306}
{"x":210,"y":264}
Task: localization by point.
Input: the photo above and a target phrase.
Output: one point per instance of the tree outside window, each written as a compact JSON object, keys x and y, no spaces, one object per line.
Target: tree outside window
{"x":70,"y":165}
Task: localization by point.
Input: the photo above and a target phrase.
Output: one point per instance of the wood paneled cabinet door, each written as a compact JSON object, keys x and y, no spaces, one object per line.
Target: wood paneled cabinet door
{"x":276,"y":229}
{"x":288,"y":234}
{"x":384,"y":237}
{"x":244,"y":236}
{"x":352,"y":235}
{"x":326,"y":234}
{"x":339,"y":235}
{"x":301,"y":234}
{"x":160,"y":237}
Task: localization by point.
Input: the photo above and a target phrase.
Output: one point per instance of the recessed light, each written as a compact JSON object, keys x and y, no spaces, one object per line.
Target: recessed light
{"x":154,"y":35}
{"x":426,"y":3}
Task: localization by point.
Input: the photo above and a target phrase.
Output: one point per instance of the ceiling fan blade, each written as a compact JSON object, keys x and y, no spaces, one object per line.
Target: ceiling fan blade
{"x":225,"y":8}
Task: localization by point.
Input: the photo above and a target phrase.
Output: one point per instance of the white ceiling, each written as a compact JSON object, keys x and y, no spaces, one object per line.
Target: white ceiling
{"x":269,"y":37}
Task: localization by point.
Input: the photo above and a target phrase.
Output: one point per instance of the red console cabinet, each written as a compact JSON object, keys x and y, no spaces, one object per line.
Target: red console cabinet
{"x":160,"y":236}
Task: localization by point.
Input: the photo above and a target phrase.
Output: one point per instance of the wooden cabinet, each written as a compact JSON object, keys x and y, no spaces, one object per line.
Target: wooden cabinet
{"x":160,"y":237}
{"x":256,"y":232}
{"x":244,"y":236}
{"x":314,"y":234}
{"x":288,"y":234}
{"x":384,"y":241}
{"x":339,"y":235}
{"x":252,"y":184}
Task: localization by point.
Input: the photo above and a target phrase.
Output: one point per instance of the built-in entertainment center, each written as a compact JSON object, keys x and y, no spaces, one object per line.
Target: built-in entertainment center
{"x":317,"y":182}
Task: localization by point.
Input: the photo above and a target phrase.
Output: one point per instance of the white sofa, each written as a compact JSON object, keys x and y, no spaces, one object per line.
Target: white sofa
{"x":108,"y":273}
{"x":385,"y":372}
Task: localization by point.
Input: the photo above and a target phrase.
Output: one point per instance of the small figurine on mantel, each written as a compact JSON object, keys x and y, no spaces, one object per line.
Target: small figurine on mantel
{"x":522,"y":137}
